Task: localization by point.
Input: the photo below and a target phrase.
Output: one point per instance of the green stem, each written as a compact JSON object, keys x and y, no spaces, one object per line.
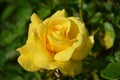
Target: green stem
{"x":80,"y":8}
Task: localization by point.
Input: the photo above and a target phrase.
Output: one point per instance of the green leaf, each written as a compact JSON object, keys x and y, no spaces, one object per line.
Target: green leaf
{"x":112,"y":71}
{"x":109,"y":35}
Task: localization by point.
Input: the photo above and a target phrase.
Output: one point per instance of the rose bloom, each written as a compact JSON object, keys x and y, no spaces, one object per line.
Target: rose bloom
{"x":58,"y":42}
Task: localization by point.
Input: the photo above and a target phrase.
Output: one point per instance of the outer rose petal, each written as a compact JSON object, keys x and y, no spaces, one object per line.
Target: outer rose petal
{"x":70,"y":67}
{"x":35,"y":19}
{"x":38,"y":54}
{"x":83,"y":52}
{"x":26,"y":59}
{"x":35,"y":47}
{"x":60,"y":13}
{"x":38,"y":27}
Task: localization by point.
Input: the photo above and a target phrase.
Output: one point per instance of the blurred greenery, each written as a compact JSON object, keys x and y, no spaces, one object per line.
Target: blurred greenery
{"x":101,"y":17}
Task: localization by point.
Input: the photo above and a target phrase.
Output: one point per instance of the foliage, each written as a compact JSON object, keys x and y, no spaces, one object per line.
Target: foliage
{"x":112,"y":71}
{"x":101,"y":17}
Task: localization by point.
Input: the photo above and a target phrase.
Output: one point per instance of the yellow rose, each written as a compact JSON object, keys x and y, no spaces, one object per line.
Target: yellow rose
{"x":56,"y":42}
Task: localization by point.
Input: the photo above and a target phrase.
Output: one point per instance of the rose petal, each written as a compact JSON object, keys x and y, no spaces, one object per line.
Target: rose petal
{"x":60,"y":24}
{"x":35,"y":49}
{"x":83,"y":52}
{"x":58,"y":45}
{"x":66,"y":54}
{"x":38,"y":27}
{"x":70,"y":67}
{"x":80,"y":25}
{"x":59,"y":13}
{"x":73,"y":31}
{"x":26,"y":59}
{"x":35,"y":19}
{"x":49,"y":65}
{"x":39,"y":56}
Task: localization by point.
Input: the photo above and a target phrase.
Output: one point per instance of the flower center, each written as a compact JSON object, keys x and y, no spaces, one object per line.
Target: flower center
{"x":61,"y":34}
